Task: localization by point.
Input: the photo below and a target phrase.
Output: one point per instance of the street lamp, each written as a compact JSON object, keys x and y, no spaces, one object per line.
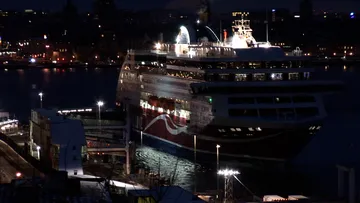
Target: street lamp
{"x":217,"y":169}
{"x":38,"y":151}
{"x":18,"y":174}
{"x":194,"y":163}
{"x":41,"y":98}
{"x":100,"y":104}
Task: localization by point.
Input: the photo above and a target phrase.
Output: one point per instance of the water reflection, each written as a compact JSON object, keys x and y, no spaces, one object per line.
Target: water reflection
{"x":47,"y":73}
{"x":166,"y":163}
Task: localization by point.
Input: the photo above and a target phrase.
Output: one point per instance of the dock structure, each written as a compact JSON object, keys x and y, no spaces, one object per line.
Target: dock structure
{"x":107,"y":133}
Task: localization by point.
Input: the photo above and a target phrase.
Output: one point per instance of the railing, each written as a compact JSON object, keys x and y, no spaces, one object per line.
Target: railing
{"x":92,"y":144}
{"x":95,"y":122}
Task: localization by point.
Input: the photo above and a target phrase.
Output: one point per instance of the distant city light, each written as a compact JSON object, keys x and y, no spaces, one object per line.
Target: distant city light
{"x":18,"y":174}
{"x":198,"y":21}
{"x":273,"y":10}
{"x":352,"y":15}
{"x":45,"y":36}
{"x":32,"y":60}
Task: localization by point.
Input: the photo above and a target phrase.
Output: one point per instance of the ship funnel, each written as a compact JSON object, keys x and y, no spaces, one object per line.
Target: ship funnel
{"x":225,"y":35}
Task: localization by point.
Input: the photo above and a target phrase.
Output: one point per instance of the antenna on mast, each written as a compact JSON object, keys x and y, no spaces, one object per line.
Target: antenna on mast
{"x":267,"y":26}
{"x":221,"y":37}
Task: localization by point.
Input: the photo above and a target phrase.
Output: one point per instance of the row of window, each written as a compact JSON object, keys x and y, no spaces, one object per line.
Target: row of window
{"x":271,"y":100}
{"x":258,"y":77}
{"x":225,"y":77}
{"x":256,"y":129}
{"x":203,"y":89}
{"x":239,"y":129}
{"x":238,"y":64}
{"x":160,"y":82}
{"x":154,"y":69}
{"x":283,"y":113}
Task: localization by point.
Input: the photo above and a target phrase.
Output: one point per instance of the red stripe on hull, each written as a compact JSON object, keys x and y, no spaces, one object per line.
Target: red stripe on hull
{"x":159,"y":129}
{"x":282,"y":146}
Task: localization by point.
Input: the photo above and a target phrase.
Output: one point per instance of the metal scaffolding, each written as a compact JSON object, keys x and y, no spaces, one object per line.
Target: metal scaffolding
{"x":229,"y":198}
{"x":229,"y":180}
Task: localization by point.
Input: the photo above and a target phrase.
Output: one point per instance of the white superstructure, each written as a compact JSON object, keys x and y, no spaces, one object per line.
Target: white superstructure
{"x":235,"y":91}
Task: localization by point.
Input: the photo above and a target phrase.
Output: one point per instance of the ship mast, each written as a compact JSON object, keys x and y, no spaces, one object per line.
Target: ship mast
{"x":267,"y":27}
{"x":220,"y":30}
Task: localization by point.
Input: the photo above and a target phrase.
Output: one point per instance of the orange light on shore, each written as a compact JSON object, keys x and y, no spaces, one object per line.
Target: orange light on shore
{"x":18,"y":174}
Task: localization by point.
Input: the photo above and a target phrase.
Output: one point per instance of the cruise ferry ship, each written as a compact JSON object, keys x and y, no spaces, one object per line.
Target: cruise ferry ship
{"x":237,"y":96}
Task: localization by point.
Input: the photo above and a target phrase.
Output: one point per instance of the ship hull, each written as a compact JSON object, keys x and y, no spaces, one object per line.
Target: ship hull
{"x":169,"y":133}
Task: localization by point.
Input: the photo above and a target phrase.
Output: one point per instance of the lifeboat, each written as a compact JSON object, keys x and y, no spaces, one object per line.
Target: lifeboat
{"x":154,"y":101}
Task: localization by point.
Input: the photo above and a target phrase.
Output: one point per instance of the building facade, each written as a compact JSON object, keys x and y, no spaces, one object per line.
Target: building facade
{"x":57,"y":141}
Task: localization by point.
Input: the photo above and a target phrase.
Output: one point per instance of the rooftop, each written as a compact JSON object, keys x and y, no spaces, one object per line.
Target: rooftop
{"x":63,"y":129}
{"x":50,"y":114}
{"x":64,"y":133}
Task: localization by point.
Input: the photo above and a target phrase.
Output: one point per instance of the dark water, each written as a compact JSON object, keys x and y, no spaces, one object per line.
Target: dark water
{"x":70,"y":88}
{"x":337,"y":142}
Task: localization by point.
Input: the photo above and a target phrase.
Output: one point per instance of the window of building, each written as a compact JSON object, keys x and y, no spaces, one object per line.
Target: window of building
{"x":276,"y":76}
{"x":265,"y":100}
{"x":240,"y":100}
{"x":280,"y":100}
{"x":243,"y":112}
{"x":303,"y":99}
{"x":259,"y":76}
{"x":240,"y":77}
{"x":293,"y":76}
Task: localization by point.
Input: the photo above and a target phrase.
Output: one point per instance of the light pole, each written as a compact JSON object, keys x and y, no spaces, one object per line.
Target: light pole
{"x":41,"y":98}
{"x":100,"y":104}
{"x":141,"y":137}
{"x":194,"y":163}
{"x":38,"y":151}
{"x":228,"y":175}
{"x":217,"y":169}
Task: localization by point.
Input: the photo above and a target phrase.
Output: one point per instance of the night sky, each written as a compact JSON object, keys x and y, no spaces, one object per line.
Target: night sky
{"x":221,"y":5}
